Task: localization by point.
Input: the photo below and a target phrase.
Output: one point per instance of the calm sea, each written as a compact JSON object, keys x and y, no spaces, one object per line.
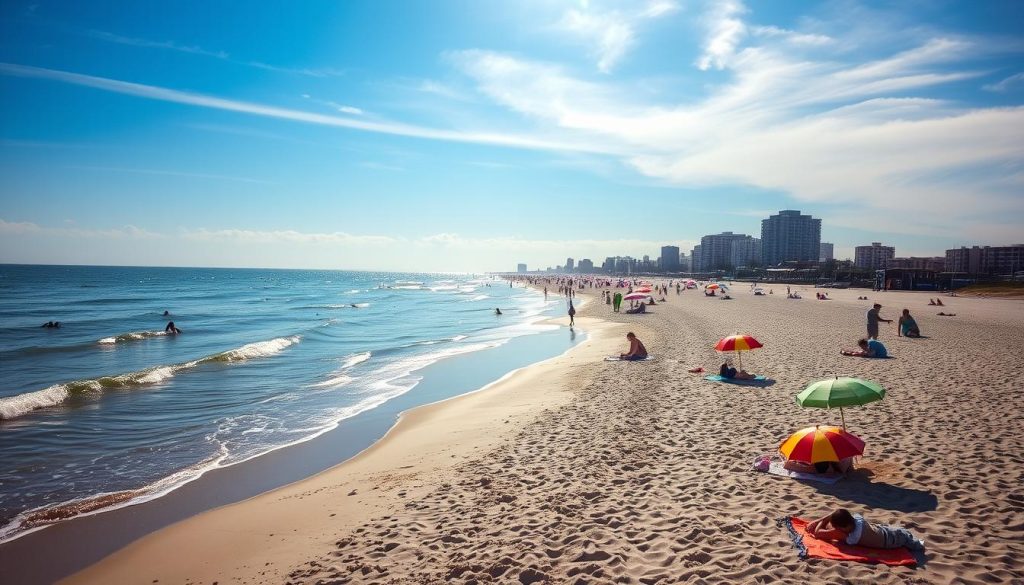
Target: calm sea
{"x":109,"y":408}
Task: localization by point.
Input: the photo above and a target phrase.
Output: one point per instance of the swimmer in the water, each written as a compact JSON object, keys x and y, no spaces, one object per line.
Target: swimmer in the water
{"x":171,"y":328}
{"x":166,"y":313}
{"x":497,"y":311}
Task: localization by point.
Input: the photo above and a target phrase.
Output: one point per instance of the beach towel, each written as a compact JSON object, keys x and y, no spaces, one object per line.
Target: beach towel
{"x":718,"y":378}
{"x":615,"y":358}
{"x":809,"y":547}
{"x":774,"y":466}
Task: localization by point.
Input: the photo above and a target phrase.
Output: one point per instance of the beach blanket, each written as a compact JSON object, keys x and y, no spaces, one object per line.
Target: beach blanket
{"x":809,"y":547}
{"x":776,"y":467}
{"x":615,"y":358}
{"x":717,"y":378}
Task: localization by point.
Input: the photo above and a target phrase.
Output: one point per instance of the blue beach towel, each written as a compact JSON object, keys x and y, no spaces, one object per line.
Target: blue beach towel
{"x":717,"y":378}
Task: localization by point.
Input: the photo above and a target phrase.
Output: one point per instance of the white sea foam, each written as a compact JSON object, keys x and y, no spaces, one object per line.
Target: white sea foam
{"x":356,"y":359}
{"x":131,"y":336}
{"x":255,"y":350}
{"x":15,"y":406}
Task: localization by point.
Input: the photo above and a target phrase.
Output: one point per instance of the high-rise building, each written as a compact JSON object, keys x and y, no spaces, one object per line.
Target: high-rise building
{"x":826,"y":252}
{"x":717,"y":250}
{"x":586,"y":265}
{"x":746,"y":251}
{"x":569,"y":264}
{"x":696,"y":259}
{"x":986,"y":259}
{"x":609,"y":265}
{"x":670,"y":258}
{"x":789,"y":236}
{"x":875,"y":257}
{"x":684,"y":262}
{"x":520,"y":268}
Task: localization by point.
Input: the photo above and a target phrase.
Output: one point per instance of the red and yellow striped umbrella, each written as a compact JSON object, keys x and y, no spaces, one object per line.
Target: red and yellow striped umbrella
{"x":819,"y":444}
{"x":738,"y":343}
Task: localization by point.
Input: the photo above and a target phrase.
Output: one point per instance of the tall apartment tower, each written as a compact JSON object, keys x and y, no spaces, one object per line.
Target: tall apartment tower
{"x":790,"y":236}
{"x":670,"y":258}
{"x":876,"y":256}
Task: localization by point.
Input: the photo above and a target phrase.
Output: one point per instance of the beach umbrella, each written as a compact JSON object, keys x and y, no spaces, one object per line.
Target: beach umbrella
{"x":839,"y":392}
{"x":645,"y":289}
{"x":636,"y":296}
{"x":712,"y":286}
{"x":821,"y":444}
{"x":737,"y":343}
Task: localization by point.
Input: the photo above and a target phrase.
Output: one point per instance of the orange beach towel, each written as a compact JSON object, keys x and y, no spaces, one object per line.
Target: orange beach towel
{"x":810,"y":547}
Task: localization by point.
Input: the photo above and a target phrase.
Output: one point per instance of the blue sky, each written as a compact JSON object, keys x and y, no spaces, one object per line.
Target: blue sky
{"x":474,"y":135}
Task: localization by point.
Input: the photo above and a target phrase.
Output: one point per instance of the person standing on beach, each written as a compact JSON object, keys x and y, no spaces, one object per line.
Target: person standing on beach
{"x":572,"y":314}
{"x":873,"y":319}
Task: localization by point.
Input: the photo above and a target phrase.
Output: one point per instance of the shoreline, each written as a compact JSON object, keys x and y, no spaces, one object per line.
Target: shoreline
{"x":425,"y":441}
{"x":95,"y":534}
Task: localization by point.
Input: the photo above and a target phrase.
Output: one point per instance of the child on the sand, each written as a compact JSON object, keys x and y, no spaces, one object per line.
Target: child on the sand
{"x":843,"y":526}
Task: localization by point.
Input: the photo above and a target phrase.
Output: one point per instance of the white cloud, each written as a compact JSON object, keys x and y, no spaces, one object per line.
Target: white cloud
{"x":1007,"y":84}
{"x":350,"y":110}
{"x":725,"y":32}
{"x":221,"y":55}
{"x":201,"y":100}
{"x":611,"y":33}
{"x":287,"y":236}
{"x":797,"y":38}
{"x":820,"y":129}
{"x":28,"y":228}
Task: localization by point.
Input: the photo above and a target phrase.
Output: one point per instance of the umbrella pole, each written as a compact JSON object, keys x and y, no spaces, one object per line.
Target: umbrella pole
{"x":843,"y":417}
{"x":739,"y":358}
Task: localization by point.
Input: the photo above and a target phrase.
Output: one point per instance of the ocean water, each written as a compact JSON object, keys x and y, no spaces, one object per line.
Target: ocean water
{"x":109,"y":409}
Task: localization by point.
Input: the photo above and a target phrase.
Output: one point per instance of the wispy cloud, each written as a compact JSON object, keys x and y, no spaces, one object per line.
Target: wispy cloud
{"x":725,"y":31}
{"x":1012,"y":82}
{"x":201,"y":100}
{"x":26,"y":228}
{"x":611,"y":33}
{"x":222,"y":55}
{"x":290,"y":236}
{"x":818,"y":126}
{"x":169,"y":45}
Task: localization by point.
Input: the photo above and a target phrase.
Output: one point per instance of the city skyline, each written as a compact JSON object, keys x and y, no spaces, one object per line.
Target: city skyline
{"x":453,"y":137}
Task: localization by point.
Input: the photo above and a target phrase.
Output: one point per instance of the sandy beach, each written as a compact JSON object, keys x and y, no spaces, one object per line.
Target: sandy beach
{"x":579,"y":470}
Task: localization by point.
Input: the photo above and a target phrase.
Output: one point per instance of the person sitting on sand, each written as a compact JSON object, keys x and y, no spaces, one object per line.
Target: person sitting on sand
{"x":938,"y":302}
{"x":733,"y":374}
{"x":870,"y":348}
{"x":171,"y":328}
{"x":931,"y":302}
{"x":907,"y":326}
{"x":637,"y":351}
{"x":842,"y":526}
{"x":651,"y":301}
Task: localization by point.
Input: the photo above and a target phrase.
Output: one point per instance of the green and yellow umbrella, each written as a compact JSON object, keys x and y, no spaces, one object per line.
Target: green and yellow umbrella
{"x":821,"y":444}
{"x":839,"y":392}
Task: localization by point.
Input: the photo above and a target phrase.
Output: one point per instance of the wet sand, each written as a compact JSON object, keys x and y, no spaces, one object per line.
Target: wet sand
{"x":585,"y":471}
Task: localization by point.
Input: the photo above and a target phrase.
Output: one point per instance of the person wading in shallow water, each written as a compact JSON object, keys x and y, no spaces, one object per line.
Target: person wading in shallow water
{"x":572,"y":314}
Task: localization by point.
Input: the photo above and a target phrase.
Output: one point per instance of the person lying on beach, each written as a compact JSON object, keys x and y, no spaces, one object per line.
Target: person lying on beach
{"x":907,"y":326}
{"x":941,"y":314}
{"x":841,"y":466}
{"x":870,"y":348}
{"x":732,"y":373}
{"x":172,"y":328}
{"x":637,"y":351}
{"x":842,"y":526}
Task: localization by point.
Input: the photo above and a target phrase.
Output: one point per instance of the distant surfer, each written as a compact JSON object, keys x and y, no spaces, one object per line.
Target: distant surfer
{"x":51,"y":325}
{"x":172,"y":328}
{"x":497,"y":311}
